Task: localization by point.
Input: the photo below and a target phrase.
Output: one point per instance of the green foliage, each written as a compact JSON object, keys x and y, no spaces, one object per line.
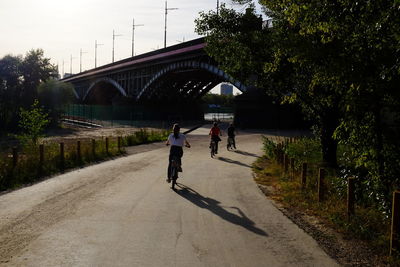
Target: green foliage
{"x":339,"y":60}
{"x":222,"y":100}
{"x":19,"y":79}
{"x":143,"y":136}
{"x":32,"y":123}
{"x":269,"y":148}
{"x":54,"y":95}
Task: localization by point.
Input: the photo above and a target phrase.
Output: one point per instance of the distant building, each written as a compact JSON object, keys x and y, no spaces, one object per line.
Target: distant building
{"x":226,"y":89}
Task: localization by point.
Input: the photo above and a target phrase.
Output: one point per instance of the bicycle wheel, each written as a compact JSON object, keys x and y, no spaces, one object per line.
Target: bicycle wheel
{"x":174,"y":175}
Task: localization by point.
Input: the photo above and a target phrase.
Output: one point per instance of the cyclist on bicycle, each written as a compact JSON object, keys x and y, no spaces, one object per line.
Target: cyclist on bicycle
{"x":177,"y":140}
{"x":231,"y":134}
{"x":215,"y":132}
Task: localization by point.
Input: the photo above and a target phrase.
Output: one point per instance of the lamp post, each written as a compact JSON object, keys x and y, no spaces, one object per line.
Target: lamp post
{"x":133,"y":35}
{"x":165,"y":25}
{"x":70,"y":64}
{"x":80,"y":60}
{"x":114,"y":35}
{"x":95,"y":52}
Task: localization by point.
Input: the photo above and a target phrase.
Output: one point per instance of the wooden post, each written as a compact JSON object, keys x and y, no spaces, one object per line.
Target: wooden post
{"x":94,"y":147}
{"x":41,"y":158}
{"x":15,"y":156}
{"x":78,"y":151}
{"x":350,"y":197}
{"x":62,"y":156}
{"x":292,"y":168}
{"x":278,"y":153}
{"x":395,"y":229}
{"x":107,"y":145}
{"x":119,"y":144}
{"x":286,"y":160}
{"x":321,"y":178}
{"x":304,"y":175}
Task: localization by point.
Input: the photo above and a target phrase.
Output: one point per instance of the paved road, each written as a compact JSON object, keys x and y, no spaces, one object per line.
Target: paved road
{"x":123,"y":213}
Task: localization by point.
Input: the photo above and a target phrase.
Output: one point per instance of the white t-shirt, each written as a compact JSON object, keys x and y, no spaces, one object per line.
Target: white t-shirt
{"x":176,"y":142}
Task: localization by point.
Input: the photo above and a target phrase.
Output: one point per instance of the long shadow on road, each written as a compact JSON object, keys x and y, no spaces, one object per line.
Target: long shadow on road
{"x":228,"y":160}
{"x":245,"y":153}
{"x":214,"y":206}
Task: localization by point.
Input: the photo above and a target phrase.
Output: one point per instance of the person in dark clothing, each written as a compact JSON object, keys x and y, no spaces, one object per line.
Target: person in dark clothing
{"x":231,"y":134}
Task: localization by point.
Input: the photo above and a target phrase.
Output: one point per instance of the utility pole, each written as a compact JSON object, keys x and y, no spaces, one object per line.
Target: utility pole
{"x":133,"y":35}
{"x":114,"y":35}
{"x":70,"y":65}
{"x":95,"y":52}
{"x":217,"y":7}
{"x":165,"y":26}
{"x":63,"y":73}
{"x":80,"y":60}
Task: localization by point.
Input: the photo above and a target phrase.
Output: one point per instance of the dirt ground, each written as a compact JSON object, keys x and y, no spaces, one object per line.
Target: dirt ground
{"x":72,"y":132}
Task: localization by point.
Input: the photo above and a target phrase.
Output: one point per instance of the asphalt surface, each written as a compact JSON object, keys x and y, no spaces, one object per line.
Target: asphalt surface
{"x":123,"y":213}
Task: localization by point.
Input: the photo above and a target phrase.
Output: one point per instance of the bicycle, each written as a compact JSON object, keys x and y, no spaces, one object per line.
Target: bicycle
{"x":174,"y":171}
{"x":230,"y":143}
{"x":213,"y":148}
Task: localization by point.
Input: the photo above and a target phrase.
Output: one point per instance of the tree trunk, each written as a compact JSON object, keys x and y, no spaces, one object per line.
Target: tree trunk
{"x":329,"y":123}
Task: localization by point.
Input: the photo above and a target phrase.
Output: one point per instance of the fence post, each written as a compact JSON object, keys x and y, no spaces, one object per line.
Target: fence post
{"x":292,"y":168}
{"x":94,"y":147}
{"x":321,"y":178}
{"x":78,"y":151}
{"x":41,"y":158}
{"x":304,"y":175}
{"x":350,"y":197}
{"x":62,"y":156}
{"x":286,"y":161}
{"x":119,"y":144}
{"x":107,"y":145}
{"x":395,"y":229}
{"x":15,"y":156}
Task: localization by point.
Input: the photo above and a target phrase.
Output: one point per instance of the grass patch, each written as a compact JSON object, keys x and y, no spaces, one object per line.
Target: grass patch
{"x":30,"y":169}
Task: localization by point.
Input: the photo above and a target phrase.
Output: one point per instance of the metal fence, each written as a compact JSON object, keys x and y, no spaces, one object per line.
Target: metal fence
{"x":115,"y":116}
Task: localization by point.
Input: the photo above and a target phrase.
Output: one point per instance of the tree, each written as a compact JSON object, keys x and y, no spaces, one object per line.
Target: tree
{"x":266,"y":58}
{"x":339,"y":60}
{"x":10,"y":79}
{"x":32,"y":123}
{"x":19,"y":79}
{"x":35,"y":69}
{"x":54,"y":95}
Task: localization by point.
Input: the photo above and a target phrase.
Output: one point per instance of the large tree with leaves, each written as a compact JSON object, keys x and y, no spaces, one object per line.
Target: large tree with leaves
{"x":19,"y":79}
{"x":339,"y":60}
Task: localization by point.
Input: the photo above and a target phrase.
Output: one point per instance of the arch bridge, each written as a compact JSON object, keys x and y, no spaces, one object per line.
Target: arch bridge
{"x":181,"y":72}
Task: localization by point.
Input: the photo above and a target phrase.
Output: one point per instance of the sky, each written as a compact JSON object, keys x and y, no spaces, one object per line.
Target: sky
{"x":64,"y":28}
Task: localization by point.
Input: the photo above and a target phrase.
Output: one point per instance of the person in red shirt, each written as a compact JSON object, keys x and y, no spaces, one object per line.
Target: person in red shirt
{"x":215,"y":133}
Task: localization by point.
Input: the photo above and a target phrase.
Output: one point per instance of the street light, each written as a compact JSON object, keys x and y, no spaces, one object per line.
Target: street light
{"x":70,"y":64}
{"x":165,"y":28}
{"x":133,"y":35}
{"x":95,"y":52}
{"x":80,"y":60}
{"x":114,"y":35}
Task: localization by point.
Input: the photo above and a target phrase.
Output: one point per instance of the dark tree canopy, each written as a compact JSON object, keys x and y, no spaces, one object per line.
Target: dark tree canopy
{"x":340,"y":60}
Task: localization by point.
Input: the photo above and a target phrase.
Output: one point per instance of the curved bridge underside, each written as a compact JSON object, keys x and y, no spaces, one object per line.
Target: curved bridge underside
{"x":185,"y":80}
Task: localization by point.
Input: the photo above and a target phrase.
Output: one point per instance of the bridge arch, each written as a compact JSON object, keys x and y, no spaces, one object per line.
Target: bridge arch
{"x":194,"y":65}
{"x":105,"y":80}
